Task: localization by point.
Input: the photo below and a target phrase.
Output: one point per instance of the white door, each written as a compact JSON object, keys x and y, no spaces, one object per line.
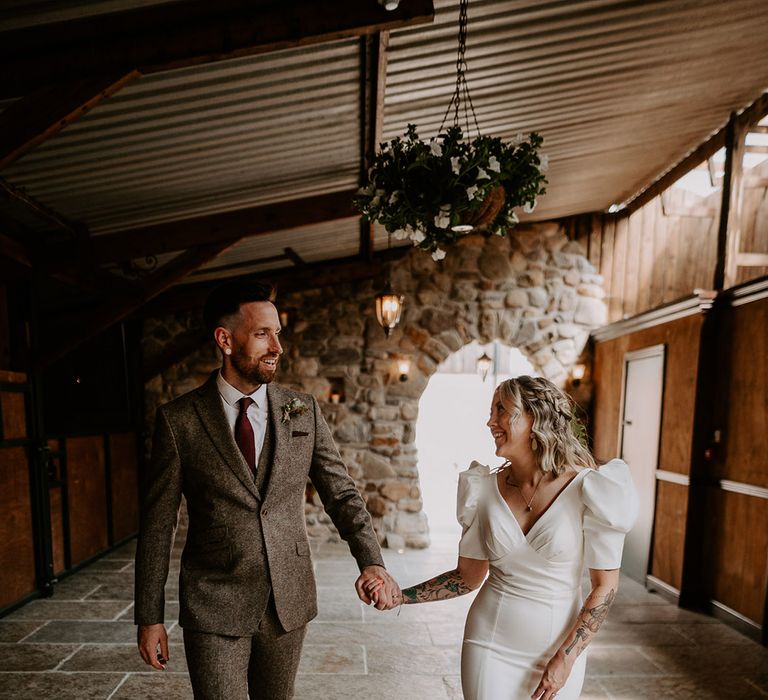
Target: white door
{"x":639,"y":447}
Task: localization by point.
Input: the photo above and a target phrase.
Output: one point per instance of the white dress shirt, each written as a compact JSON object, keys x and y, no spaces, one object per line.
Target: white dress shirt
{"x":256,"y":413}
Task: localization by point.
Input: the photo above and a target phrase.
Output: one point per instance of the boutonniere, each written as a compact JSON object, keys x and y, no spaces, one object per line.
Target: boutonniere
{"x":295,"y":407}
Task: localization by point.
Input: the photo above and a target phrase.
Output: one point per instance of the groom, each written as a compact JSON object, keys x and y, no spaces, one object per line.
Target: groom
{"x":240,"y":449}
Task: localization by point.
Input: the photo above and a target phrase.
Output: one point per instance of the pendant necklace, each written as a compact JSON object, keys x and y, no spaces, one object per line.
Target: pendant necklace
{"x":528,"y":503}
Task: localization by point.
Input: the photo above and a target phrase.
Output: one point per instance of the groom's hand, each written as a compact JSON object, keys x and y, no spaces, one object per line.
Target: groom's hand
{"x":386,"y":597}
{"x":149,"y":638}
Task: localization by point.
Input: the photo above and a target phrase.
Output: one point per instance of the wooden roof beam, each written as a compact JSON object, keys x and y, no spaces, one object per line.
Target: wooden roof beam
{"x":180,"y":235}
{"x":35,"y":118}
{"x":75,"y":331}
{"x":373,"y":79}
{"x":180,"y":34}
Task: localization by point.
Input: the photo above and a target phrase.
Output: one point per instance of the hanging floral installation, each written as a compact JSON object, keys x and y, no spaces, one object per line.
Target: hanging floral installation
{"x":435,"y":191}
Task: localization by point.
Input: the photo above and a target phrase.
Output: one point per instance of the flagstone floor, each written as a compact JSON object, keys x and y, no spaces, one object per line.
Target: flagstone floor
{"x":79,"y":644}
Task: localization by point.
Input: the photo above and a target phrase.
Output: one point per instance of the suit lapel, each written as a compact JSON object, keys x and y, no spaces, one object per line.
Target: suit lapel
{"x":277,"y":397}
{"x":211,"y":413}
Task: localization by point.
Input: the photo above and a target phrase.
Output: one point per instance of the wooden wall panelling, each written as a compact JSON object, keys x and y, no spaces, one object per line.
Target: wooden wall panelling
{"x":86,"y":490}
{"x":595,"y":241}
{"x":125,"y":493}
{"x":618,"y":271}
{"x":608,"y":239}
{"x":743,"y":455}
{"x":13,"y":412}
{"x":632,"y":266}
{"x":739,"y":552}
{"x":57,"y":530}
{"x":17,"y":546}
{"x":647,"y":253}
{"x":754,"y":225}
{"x":669,"y":532}
{"x":658,"y":288}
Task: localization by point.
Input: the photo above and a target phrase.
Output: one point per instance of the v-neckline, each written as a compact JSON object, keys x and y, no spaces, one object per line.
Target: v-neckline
{"x":549,"y":507}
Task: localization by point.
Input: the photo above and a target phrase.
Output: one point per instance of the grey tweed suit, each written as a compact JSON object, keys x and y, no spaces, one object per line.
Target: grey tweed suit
{"x":247,"y":538}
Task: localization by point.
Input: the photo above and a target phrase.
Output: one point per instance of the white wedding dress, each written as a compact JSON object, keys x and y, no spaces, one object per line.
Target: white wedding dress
{"x":532,"y":595}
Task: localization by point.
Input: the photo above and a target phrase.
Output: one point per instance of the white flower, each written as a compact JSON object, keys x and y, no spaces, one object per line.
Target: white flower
{"x":519,"y":138}
{"x":375,"y":201}
{"x":455,"y":165}
{"x":482,"y":175}
{"x":380,"y":193}
{"x":400,"y":234}
{"x":418,"y":236}
{"x":367,"y":191}
{"x":439,"y":254}
{"x":471,"y":191}
{"x":493,"y":164}
{"x":443,"y":219}
{"x":544,"y":163}
{"x":394,"y":197}
{"x":435,"y":148}
{"x":528,"y":207}
{"x":513,"y":218}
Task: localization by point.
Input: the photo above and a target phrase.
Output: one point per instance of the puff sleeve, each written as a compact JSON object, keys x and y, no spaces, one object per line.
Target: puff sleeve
{"x":610,"y":510}
{"x":471,"y":484}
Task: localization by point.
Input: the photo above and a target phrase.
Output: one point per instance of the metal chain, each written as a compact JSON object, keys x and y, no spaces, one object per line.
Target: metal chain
{"x":461,"y":80}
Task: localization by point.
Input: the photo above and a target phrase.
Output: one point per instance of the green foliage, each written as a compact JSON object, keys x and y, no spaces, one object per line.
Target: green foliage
{"x":421,"y":190}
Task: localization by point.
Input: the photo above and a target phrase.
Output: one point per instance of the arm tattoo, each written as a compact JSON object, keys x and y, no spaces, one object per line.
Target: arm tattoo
{"x":442,"y":587}
{"x":590,"y":619}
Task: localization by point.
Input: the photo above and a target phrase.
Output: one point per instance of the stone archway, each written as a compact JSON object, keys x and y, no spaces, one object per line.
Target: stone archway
{"x":534,"y":290}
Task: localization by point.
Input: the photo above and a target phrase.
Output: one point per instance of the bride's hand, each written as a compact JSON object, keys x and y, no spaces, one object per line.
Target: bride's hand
{"x":372,"y":587}
{"x":553,"y":679}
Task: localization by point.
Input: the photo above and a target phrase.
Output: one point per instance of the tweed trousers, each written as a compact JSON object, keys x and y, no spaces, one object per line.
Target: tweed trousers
{"x":261,"y":667}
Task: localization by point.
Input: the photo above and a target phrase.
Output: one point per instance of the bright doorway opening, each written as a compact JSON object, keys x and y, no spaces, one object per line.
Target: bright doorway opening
{"x":451,"y":428}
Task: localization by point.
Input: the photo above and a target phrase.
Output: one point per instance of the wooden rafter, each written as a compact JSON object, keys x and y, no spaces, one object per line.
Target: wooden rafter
{"x":30,"y":121}
{"x":311,"y":276}
{"x":85,"y":327}
{"x":180,"y":235}
{"x":373,"y":78}
{"x":179,"y":34}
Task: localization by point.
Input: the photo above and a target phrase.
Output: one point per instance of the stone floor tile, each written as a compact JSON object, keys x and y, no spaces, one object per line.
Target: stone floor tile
{"x":373,"y":687}
{"x":343,"y":659}
{"x":120,"y":657}
{"x":126,"y":551}
{"x":34,"y":657}
{"x":113,"y":565}
{"x":412,"y":659}
{"x":171,"y":613}
{"x":78,"y":632}
{"x":621,"y":661}
{"x":657,"y":613}
{"x":453,"y":687}
{"x":61,"y":686}
{"x":743,"y":660}
{"x":50,"y":609}
{"x":593,"y":689}
{"x":339,"y":610}
{"x":157,"y":684}
{"x":341,"y":632}
{"x":707,"y":635}
{"x":15,"y":630}
{"x":678,"y":688}
{"x":446,"y":633}
{"x":639,"y":634}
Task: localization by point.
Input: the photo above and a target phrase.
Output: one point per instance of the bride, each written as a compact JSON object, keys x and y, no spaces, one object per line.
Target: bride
{"x":534,"y":523}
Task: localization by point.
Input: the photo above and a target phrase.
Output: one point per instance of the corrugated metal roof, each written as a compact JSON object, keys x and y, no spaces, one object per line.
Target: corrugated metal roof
{"x":619,"y":90}
{"x":206,"y":139}
{"x":28,"y":13}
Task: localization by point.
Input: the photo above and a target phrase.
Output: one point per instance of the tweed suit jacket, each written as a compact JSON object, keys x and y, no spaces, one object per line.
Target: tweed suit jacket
{"x":241,"y":543}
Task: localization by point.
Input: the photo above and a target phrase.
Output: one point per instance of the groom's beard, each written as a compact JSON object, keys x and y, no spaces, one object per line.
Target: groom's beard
{"x":253,"y":372}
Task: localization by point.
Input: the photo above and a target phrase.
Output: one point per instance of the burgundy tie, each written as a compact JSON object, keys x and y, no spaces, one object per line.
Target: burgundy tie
{"x":244,"y":433}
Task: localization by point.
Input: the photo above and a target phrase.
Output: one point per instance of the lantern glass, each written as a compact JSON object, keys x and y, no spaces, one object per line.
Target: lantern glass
{"x":389,"y":306}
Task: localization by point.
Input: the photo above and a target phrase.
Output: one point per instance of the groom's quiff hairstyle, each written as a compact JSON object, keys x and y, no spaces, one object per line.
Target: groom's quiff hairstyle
{"x":225,"y":300}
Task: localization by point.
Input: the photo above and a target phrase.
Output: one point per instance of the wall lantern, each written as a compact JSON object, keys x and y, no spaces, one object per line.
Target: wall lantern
{"x":484,"y":365}
{"x":389,"y":304}
{"x":577,"y":374}
{"x":403,"y":368}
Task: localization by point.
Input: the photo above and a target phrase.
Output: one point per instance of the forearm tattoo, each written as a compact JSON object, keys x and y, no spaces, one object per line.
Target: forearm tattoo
{"x":590,"y":619}
{"x":442,"y":587}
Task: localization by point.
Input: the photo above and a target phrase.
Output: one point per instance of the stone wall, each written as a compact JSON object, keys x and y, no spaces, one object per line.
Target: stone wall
{"x":535,"y":291}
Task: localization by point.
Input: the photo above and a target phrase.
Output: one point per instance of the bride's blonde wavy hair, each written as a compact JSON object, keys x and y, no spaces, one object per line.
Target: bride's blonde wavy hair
{"x":557,"y":446}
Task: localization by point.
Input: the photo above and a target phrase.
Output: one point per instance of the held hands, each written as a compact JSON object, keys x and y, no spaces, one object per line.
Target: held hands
{"x":375,"y":585}
{"x":554,"y":677}
{"x":150,"y":637}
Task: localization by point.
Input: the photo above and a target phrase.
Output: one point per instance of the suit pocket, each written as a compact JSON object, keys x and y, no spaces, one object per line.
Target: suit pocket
{"x":302,"y":549}
{"x":299,"y":433}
